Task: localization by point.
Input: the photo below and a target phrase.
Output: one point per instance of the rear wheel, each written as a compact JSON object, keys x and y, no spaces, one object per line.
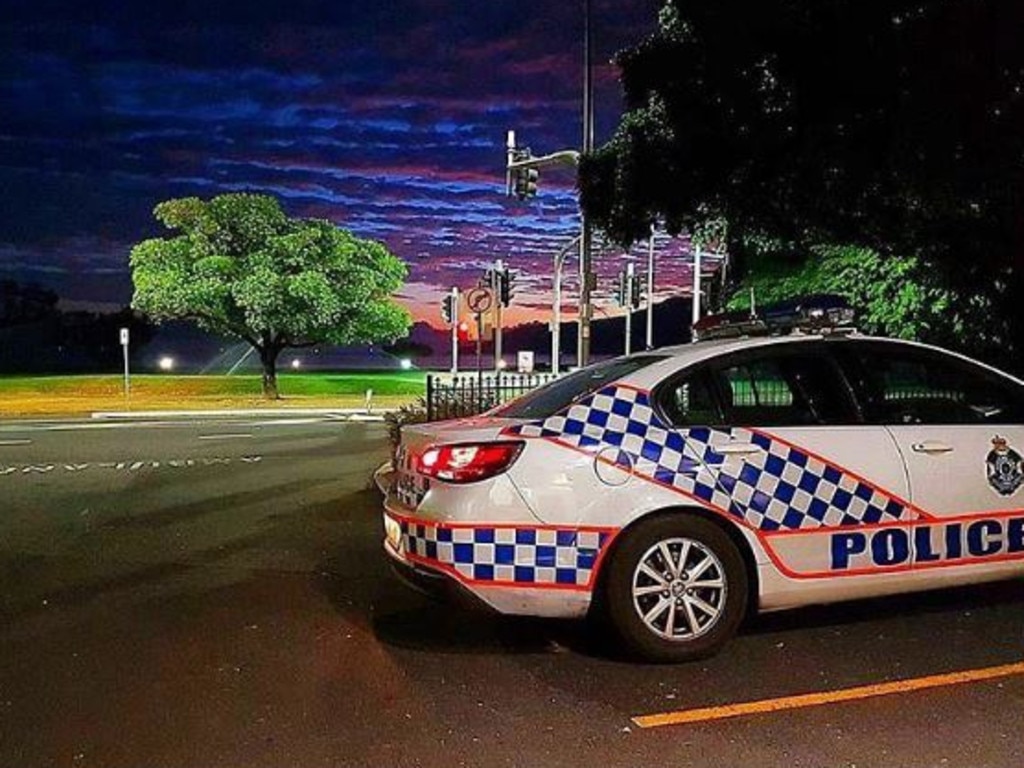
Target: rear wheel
{"x":676,"y":588}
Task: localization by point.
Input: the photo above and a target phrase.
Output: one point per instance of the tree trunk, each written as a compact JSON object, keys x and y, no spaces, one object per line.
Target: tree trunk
{"x":268,"y":359}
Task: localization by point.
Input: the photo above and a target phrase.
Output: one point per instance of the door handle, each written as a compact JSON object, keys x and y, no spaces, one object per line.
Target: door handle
{"x":931,"y":447}
{"x":736,"y":449}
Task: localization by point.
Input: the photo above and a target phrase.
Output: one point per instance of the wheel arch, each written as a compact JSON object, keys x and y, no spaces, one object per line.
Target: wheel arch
{"x":728,"y":527}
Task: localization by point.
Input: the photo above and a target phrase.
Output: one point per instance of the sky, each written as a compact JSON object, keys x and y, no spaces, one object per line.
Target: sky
{"x":388,"y":118}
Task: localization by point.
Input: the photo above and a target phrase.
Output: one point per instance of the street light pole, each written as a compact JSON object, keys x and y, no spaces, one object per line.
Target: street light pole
{"x":586,"y":267}
{"x":556,"y":306}
{"x":650,"y":291}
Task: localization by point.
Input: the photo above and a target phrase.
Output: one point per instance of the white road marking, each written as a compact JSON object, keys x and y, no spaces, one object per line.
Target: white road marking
{"x":293,"y":422}
{"x":130,"y":466}
{"x":8,"y":443}
{"x":228,"y":436}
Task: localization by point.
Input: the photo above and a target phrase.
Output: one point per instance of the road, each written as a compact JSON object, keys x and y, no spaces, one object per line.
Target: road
{"x":212,"y":595}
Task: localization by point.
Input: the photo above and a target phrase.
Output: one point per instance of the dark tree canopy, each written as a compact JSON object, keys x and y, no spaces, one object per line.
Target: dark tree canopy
{"x":896,"y":125}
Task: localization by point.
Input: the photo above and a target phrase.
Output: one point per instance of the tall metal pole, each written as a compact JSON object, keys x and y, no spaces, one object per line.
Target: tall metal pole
{"x":649,"y":343}
{"x":695,"y":315}
{"x":556,"y":316}
{"x":586,"y":269}
{"x":496,"y":289}
{"x":630,"y":277}
{"x":455,"y":331}
{"x":556,"y":306}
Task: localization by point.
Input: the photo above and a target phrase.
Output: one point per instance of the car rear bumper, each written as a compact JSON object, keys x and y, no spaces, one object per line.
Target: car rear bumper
{"x":433,"y":583}
{"x":419,"y":565}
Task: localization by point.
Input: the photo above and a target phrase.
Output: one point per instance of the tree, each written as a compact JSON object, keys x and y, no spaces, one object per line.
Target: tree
{"x":239,"y":266}
{"x":898,"y":296}
{"x":895,"y":126}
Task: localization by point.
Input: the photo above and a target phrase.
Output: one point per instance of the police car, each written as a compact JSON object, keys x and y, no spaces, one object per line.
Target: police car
{"x":778,"y":462}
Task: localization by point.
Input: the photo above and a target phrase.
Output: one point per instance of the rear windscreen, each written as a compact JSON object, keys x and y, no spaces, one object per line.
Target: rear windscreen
{"x":560,"y":394}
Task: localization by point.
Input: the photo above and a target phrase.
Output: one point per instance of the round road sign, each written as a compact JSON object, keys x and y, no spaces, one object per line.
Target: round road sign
{"x":479,"y":300}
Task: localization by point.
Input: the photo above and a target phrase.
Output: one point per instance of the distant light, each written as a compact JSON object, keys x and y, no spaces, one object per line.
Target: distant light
{"x":503,"y":364}
{"x":406,"y":363}
{"x":166,"y":363}
{"x":296,"y":363}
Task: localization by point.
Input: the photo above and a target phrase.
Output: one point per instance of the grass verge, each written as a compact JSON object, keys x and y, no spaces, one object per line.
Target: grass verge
{"x":78,"y":395}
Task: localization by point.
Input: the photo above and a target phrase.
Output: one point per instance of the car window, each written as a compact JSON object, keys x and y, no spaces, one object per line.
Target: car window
{"x":784,"y":389}
{"x":909,"y":385}
{"x":691,"y":402}
{"x":551,"y":398}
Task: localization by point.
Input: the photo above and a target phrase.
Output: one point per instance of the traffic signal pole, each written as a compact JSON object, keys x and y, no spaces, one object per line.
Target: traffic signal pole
{"x":455,"y":331}
{"x":628,"y":300}
{"x":586,"y":234}
{"x":496,"y":286}
{"x":650,"y":292}
{"x":695,"y":308}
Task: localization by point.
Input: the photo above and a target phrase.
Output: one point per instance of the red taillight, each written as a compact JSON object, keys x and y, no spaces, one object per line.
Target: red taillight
{"x":469,"y":462}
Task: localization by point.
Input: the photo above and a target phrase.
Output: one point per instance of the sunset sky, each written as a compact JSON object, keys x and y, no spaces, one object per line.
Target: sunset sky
{"x":388,"y":118}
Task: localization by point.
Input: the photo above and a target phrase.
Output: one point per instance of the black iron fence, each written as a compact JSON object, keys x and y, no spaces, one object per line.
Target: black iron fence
{"x":458,"y":396}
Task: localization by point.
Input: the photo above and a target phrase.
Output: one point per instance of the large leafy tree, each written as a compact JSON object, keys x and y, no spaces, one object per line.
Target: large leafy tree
{"x":897,"y":126}
{"x":238,"y":265}
{"x":896,"y":296}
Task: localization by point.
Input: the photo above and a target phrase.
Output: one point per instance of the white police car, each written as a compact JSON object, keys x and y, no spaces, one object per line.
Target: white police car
{"x":674,"y":489}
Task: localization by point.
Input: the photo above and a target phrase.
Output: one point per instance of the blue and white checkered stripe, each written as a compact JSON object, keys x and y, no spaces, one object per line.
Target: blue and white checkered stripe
{"x":508,"y":555}
{"x":778,"y":488}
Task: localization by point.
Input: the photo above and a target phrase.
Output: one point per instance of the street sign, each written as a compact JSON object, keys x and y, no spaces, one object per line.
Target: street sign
{"x":525,"y":360}
{"x":479,"y":300}
{"x":124,"y":337}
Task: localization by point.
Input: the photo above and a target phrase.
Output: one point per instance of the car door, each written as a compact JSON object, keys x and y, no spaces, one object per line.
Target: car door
{"x":959,"y":427}
{"x":798,"y":466}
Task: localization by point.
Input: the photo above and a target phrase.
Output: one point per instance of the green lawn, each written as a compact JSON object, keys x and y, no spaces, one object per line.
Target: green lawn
{"x":82,"y":394}
{"x":297,"y":384}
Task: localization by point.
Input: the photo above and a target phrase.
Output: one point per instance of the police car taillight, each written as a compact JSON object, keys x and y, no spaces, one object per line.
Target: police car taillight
{"x":469,"y":462}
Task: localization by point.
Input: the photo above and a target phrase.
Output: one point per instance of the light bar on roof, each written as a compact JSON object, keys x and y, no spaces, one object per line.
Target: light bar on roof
{"x":819,"y":313}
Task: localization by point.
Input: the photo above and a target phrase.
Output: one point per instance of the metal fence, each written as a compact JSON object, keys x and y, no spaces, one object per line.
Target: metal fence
{"x":458,"y":396}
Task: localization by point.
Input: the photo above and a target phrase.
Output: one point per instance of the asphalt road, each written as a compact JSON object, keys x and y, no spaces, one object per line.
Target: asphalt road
{"x":210,"y":595}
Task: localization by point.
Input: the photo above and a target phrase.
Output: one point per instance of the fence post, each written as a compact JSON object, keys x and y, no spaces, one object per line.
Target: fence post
{"x":430,"y":397}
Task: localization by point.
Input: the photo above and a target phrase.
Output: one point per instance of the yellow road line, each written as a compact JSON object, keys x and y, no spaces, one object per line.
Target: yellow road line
{"x":827,"y":697}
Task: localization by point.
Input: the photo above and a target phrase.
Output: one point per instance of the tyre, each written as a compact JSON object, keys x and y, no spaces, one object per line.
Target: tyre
{"x":676,"y":589}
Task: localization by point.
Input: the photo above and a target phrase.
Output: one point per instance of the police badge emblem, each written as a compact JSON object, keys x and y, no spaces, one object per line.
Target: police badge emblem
{"x":1005,"y":468}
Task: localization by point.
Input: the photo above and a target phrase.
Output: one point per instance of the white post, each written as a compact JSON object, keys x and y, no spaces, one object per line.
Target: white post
{"x":695,"y":316}
{"x":455,"y":331}
{"x":556,"y":317}
{"x":650,"y":291}
{"x":495,"y":288}
{"x":630,"y":277}
{"x":127,"y":376}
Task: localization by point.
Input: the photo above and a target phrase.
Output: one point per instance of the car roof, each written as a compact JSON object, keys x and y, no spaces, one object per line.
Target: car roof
{"x":677,"y":357}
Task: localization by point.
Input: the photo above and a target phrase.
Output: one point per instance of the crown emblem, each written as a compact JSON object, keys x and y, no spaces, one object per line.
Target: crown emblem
{"x":999,"y":444}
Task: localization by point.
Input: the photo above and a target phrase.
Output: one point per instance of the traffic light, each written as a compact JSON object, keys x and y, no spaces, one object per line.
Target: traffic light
{"x":524,"y":179}
{"x":448,"y":309}
{"x":635,"y":294}
{"x":505,"y":287}
{"x":463,"y":332}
